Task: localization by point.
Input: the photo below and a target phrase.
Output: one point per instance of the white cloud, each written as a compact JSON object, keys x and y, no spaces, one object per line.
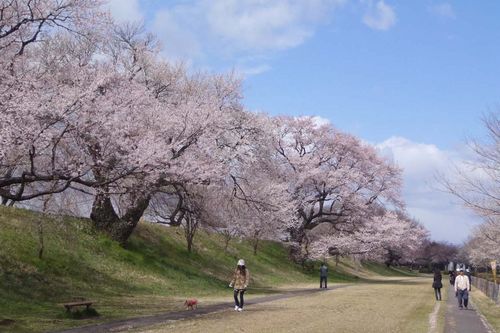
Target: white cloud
{"x":265,"y":25}
{"x":422,"y":163}
{"x":254,"y":70}
{"x":380,"y":16}
{"x":444,"y":10}
{"x":229,"y":29}
{"x":418,"y":159}
{"x":125,"y":10}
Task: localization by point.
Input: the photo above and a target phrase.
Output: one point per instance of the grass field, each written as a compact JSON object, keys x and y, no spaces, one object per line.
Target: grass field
{"x":153,"y":274}
{"x":396,"y":305}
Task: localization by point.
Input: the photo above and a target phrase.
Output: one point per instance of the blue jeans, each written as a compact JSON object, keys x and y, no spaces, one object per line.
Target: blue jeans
{"x":463,"y":296}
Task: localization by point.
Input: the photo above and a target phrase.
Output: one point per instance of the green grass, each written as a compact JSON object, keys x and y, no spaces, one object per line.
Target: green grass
{"x":153,"y":273}
{"x":388,"y":271}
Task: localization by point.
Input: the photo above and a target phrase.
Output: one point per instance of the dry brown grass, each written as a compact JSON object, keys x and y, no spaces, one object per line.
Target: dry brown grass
{"x":487,"y":307}
{"x":400,"y":306}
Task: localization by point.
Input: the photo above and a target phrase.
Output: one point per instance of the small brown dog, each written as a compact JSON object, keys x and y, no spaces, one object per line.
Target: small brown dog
{"x":191,"y":304}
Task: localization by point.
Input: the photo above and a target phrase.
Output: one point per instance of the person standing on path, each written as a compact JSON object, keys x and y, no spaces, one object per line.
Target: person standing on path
{"x":323,"y":275}
{"x":462,"y":289}
{"x":240,"y":280}
{"x":437,"y":284}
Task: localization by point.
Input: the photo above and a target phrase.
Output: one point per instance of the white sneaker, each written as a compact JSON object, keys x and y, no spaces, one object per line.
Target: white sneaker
{"x":240,"y":309}
{"x":236,"y":308}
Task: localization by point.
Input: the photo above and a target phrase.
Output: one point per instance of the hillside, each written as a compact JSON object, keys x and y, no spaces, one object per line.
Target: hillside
{"x":154,"y":273}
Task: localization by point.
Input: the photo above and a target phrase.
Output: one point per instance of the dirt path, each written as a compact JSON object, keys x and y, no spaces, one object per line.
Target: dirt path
{"x":433,"y":318}
{"x":134,"y":323}
{"x":463,"y":321}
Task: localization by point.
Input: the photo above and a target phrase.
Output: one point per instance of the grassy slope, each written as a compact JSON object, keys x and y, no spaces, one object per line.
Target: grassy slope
{"x":154,"y":273}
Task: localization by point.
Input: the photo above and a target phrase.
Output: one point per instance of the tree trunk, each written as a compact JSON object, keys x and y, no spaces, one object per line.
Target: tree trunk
{"x":255,"y":246}
{"x":105,"y":219}
{"x":7,"y":202}
{"x":41,"y":246}
{"x":297,"y":236}
{"x":190,"y":226}
{"x":227,"y":239}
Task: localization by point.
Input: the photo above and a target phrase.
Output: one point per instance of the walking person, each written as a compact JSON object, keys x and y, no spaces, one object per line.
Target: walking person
{"x":240,"y":280}
{"x":451,"y":267}
{"x":468,"y":274}
{"x":323,"y":275}
{"x":437,"y":284}
{"x":462,"y":289}
{"x":452,"y":278}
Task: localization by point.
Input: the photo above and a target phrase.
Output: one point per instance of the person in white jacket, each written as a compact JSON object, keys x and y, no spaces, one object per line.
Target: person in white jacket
{"x":462,"y":286}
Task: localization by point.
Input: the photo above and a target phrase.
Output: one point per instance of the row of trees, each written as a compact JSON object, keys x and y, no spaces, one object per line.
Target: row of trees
{"x":90,"y":107}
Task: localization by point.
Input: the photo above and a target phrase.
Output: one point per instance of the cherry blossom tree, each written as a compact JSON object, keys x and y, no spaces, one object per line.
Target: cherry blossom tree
{"x":32,"y":100}
{"x":483,"y":244}
{"x":250,"y":201}
{"x":181,"y":206}
{"x":334,"y":178}
{"x":111,"y":118}
{"x":91,"y":106}
{"x":269,"y":213}
{"x":389,"y":237}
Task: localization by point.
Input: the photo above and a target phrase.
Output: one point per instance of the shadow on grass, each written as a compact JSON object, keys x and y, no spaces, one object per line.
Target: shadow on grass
{"x":80,"y":314}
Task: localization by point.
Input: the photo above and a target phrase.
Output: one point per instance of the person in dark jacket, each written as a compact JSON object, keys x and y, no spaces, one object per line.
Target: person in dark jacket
{"x":437,"y":284}
{"x":452,"y":278}
{"x":323,"y":275}
{"x":468,"y":274}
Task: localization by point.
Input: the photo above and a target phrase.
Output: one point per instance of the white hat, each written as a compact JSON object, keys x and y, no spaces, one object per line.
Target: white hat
{"x":241,"y":262}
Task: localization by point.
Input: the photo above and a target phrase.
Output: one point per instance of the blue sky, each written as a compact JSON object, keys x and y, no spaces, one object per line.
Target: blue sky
{"x":428,"y":78}
{"x":411,"y":77}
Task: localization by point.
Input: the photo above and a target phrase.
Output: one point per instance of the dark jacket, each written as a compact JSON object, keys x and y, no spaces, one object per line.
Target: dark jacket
{"x":323,"y":271}
{"x":469,"y":274}
{"x":452,"y":278}
{"x":437,"y":281}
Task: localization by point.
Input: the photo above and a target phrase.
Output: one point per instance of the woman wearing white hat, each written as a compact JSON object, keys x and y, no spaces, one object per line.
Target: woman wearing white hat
{"x":240,"y":280}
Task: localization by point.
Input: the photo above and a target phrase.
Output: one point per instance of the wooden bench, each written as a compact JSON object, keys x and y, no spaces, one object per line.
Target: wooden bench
{"x":68,"y":306}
